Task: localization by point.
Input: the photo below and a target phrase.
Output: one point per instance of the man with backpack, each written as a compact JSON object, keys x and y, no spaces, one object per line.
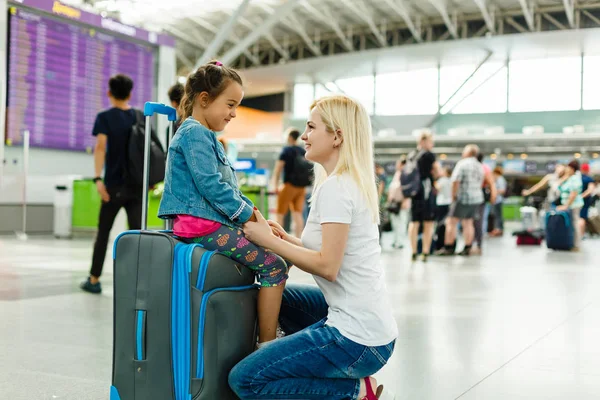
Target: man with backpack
{"x":113,"y":128}
{"x":417,"y":180}
{"x":297,"y":175}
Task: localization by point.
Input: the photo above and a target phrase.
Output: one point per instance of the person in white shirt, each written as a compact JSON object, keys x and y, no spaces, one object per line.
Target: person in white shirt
{"x":398,"y":207}
{"x":334,"y":358}
{"x":443,"y":199}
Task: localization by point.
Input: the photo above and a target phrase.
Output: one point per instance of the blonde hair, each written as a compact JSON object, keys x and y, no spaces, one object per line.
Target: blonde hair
{"x":356,"y":151}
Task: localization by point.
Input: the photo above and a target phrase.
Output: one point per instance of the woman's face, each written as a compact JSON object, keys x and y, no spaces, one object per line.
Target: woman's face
{"x":570,"y":171}
{"x":560,"y":170}
{"x":318,"y":141}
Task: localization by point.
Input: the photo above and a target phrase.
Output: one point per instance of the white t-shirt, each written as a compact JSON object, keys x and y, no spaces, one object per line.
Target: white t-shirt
{"x":444,"y":196}
{"x":358,"y":300}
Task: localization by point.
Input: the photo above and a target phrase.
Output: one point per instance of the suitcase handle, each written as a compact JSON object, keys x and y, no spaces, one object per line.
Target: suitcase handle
{"x":140,"y":335}
{"x":151,"y":108}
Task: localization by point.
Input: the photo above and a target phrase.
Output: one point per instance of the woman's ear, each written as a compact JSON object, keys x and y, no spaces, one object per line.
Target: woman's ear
{"x":339,"y":138}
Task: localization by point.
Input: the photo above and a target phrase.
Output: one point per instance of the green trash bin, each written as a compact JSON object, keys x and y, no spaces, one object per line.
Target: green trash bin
{"x":86,"y":206}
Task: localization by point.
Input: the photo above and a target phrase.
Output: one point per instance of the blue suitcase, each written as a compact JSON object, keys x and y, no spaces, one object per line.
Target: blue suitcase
{"x":560,"y":234}
{"x":183,"y":316}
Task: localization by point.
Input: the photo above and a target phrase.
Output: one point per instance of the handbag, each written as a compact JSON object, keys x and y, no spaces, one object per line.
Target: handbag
{"x":393,"y":207}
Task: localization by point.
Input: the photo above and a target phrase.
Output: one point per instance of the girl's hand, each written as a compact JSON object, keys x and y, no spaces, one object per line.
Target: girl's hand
{"x":562,"y":208}
{"x":258,"y":232}
{"x":278,"y":230}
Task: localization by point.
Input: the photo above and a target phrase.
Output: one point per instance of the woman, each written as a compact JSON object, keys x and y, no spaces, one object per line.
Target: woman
{"x":552,"y":181}
{"x":444,"y":195}
{"x":398,"y":206}
{"x":334,"y":358}
{"x":501,"y":188}
{"x":570,"y":197}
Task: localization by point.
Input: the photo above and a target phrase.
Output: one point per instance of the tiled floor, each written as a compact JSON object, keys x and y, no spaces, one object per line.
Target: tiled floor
{"x":517,"y":323}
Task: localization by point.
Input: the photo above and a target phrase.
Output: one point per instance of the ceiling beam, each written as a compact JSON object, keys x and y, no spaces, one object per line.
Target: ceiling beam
{"x":282,"y":52}
{"x":516,"y":25}
{"x":442,"y":9}
{"x":233,"y":38}
{"x":361,"y":12}
{"x":488,"y":14}
{"x":400,"y":8}
{"x":527,"y":7}
{"x":325,"y":16}
{"x":184,"y":59}
{"x":570,"y":11}
{"x":280,"y":12}
{"x":554,"y":21}
{"x":591,"y":16}
{"x":220,"y":38}
{"x":296,"y":26}
{"x":193,"y":40}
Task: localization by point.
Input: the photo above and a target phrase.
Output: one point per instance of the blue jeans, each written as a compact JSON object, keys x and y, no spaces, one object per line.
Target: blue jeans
{"x":316,"y":362}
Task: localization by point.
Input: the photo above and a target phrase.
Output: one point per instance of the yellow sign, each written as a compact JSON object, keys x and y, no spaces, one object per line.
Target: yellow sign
{"x":13,"y":11}
{"x":67,"y":11}
{"x":8,"y":142}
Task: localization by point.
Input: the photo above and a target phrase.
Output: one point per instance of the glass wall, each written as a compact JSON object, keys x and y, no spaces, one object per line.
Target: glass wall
{"x":549,"y":84}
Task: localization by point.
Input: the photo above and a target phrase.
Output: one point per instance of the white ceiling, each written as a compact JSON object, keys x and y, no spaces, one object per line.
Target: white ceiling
{"x":195,"y":23}
{"x":275,"y":78}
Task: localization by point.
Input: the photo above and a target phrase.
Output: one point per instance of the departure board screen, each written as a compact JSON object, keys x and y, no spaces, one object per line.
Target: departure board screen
{"x":58,"y":79}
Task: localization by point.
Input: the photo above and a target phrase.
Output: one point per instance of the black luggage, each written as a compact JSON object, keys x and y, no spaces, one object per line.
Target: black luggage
{"x":183,"y":316}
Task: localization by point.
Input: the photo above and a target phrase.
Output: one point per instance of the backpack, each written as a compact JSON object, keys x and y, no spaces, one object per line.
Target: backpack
{"x":302,"y":174}
{"x":410,"y":177}
{"x":134,"y":167}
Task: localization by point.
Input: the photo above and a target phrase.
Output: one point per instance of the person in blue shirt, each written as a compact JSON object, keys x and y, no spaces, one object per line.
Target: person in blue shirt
{"x":201,"y":191}
{"x":588,"y":188}
{"x":112,"y":129}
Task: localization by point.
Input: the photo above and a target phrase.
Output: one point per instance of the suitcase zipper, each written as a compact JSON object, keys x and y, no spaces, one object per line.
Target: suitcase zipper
{"x":181,"y":327}
{"x":204,"y":261}
{"x":203,"y":306}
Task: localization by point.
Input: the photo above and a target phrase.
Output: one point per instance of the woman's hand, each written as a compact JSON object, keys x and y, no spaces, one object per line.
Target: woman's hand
{"x":278,"y":230}
{"x":562,"y":208}
{"x":259,"y":232}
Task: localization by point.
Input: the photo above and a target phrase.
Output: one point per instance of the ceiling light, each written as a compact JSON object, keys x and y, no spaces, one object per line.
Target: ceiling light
{"x":523,"y":156}
{"x":510,"y":156}
{"x":493,"y":156}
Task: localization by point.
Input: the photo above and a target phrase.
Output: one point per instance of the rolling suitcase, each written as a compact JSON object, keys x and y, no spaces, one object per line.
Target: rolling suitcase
{"x":559,"y":230}
{"x":183,"y":316}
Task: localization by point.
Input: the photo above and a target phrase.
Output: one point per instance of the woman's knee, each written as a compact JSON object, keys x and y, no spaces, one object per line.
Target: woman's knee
{"x":240,"y":380}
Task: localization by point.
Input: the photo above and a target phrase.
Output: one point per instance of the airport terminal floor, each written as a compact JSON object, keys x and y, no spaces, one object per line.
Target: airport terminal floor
{"x":516,"y":323}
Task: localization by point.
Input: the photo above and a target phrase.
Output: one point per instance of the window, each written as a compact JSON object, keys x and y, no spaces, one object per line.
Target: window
{"x":591,"y":83}
{"x":485,"y":92}
{"x":361,"y":88}
{"x":550,"y":84}
{"x":303,"y":97}
{"x":407,"y":93}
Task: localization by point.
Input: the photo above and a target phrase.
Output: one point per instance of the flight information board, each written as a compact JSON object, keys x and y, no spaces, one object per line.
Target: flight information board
{"x":58,"y":79}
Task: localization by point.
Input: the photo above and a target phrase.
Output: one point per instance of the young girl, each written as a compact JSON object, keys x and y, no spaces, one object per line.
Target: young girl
{"x":201,"y":192}
{"x":334,"y":358}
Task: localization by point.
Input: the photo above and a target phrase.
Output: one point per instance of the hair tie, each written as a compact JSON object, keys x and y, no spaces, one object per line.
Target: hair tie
{"x":218,"y":63}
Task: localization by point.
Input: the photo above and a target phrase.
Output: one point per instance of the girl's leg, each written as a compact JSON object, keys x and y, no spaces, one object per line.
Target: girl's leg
{"x":271,"y":270}
{"x":316,"y":363}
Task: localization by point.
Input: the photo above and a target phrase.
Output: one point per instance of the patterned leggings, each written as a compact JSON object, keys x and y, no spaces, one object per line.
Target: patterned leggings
{"x":271,"y":269}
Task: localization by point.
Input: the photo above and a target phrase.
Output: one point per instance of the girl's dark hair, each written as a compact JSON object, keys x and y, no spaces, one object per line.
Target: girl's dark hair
{"x":211,"y":78}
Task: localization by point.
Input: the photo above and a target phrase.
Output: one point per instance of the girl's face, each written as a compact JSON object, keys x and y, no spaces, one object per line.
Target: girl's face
{"x":560,"y":170}
{"x":318,"y":141}
{"x":570,"y":171}
{"x":222,"y":110}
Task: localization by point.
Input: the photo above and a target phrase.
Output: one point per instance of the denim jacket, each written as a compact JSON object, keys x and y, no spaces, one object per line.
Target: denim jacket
{"x":200,"y":181}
